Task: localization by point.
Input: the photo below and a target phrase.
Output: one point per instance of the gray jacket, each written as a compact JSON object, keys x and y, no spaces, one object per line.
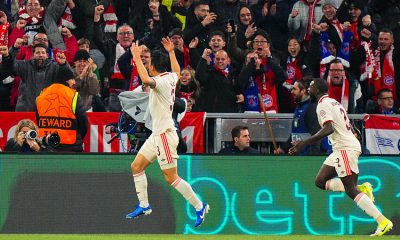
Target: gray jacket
{"x":52,"y":14}
{"x":298,"y":25}
{"x":33,"y":79}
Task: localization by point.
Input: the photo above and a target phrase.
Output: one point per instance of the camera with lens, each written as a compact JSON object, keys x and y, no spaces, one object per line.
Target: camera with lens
{"x":52,"y":140}
{"x":31,"y":134}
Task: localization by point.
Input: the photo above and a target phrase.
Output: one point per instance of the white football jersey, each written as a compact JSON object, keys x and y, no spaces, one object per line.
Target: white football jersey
{"x":342,"y":138}
{"x":161,"y":102}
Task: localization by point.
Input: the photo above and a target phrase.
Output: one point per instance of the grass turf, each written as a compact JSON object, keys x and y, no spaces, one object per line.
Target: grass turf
{"x":174,"y":237}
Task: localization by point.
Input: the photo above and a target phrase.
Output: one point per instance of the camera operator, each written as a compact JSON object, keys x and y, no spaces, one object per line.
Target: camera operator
{"x":60,"y":109}
{"x":25,"y":138}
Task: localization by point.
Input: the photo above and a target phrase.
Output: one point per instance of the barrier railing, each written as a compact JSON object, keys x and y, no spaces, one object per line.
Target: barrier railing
{"x":219,"y":126}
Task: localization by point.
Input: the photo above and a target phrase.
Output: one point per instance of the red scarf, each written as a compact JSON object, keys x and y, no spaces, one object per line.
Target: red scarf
{"x":4,"y":33}
{"x":36,"y":20}
{"x":224,"y":72}
{"x":266,"y":84}
{"x":134,"y":81}
{"x":311,"y":18}
{"x":355,"y":43}
{"x":339,"y":93}
{"x":384,"y":76}
{"x":338,"y":28}
{"x":367,"y":68}
{"x":186,"y":57}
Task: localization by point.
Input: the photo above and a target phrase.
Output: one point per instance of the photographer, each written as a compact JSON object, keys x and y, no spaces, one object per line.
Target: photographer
{"x":60,"y":109}
{"x":25,"y":138}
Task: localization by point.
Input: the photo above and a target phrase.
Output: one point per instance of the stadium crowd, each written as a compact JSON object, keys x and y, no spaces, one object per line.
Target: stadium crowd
{"x":229,"y":51}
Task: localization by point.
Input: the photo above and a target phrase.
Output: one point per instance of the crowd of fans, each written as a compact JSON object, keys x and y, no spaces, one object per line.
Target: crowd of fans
{"x":230,"y":51}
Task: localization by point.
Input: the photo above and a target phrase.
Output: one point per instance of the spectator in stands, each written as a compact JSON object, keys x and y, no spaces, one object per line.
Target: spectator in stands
{"x":342,"y":87}
{"x":36,"y":74}
{"x":24,"y":141}
{"x":52,"y":112}
{"x":365,"y":35}
{"x":5,"y":87}
{"x":329,"y":31}
{"x":305,"y":121}
{"x":182,"y":52}
{"x":129,"y":71}
{"x":34,"y":18}
{"x":25,"y":51}
{"x":159,"y":22}
{"x":386,"y":15}
{"x":385,"y":104}
{"x":300,"y":20}
{"x":240,"y":141}
{"x":84,"y":12}
{"x":265,"y":73}
{"x":216,"y":42}
{"x":225,"y":10}
{"x":200,"y":25}
{"x":189,"y":88}
{"x":95,"y":54}
{"x":86,"y":81}
{"x":218,"y":94}
{"x":272,"y":18}
{"x":296,"y":67}
{"x":386,"y":71}
{"x":246,"y":27}
{"x":113,"y":51}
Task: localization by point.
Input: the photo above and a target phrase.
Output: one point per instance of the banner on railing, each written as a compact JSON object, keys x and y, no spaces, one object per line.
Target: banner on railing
{"x":382,"y":134}
{"x":96,"y":139}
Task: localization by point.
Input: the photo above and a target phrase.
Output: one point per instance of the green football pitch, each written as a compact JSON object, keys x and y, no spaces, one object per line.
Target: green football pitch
{"x":173,"y":237}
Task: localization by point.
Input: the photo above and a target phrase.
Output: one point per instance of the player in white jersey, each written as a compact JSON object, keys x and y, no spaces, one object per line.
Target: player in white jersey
{"x":343,"y":161}
{"x":163,"y":141}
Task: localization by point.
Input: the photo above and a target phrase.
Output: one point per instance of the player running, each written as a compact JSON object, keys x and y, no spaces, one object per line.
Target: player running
{"x":343,"y":161}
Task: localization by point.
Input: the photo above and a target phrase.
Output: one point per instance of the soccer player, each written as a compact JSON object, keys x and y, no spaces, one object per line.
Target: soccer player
{"x":163,"y":141}
{"x":343,"y":162}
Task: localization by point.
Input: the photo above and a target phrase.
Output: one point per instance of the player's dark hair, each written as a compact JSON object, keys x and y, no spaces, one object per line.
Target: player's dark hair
{"x":236,"y":131}
{"x":321,"y":85}
{"x":159,"y":60}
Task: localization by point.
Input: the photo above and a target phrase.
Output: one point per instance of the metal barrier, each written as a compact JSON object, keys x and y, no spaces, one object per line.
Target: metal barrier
{"x":219,"y":126}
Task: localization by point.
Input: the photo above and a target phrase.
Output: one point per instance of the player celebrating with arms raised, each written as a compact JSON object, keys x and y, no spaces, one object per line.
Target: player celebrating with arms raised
{"x":163,"y":141}
{"x":343,"y":161}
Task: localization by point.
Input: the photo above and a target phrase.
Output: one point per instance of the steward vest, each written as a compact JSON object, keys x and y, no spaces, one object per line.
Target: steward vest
{"x":56,"y":112}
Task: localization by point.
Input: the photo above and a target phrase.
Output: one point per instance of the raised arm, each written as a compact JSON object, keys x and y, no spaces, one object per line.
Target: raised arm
{"x":169,"y":47}
{"x":143,"y":74}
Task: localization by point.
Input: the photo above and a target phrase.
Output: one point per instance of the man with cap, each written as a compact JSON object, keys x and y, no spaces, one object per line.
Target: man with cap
{"x":60,"y":109}
{"x":86,"y":81}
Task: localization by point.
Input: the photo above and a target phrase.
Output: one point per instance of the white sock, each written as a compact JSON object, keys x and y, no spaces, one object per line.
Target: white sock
{"x":187,"y":192}
{"x":140,"y":180}
{"x":367,"y":205}
{"x":335,"y":185}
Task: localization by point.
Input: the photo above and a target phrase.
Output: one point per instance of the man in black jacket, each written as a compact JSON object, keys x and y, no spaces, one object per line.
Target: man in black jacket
{"x":241,"y":142}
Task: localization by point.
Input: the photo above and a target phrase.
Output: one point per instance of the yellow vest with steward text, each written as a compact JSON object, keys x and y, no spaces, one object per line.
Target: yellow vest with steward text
{"x":56,"y":106}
